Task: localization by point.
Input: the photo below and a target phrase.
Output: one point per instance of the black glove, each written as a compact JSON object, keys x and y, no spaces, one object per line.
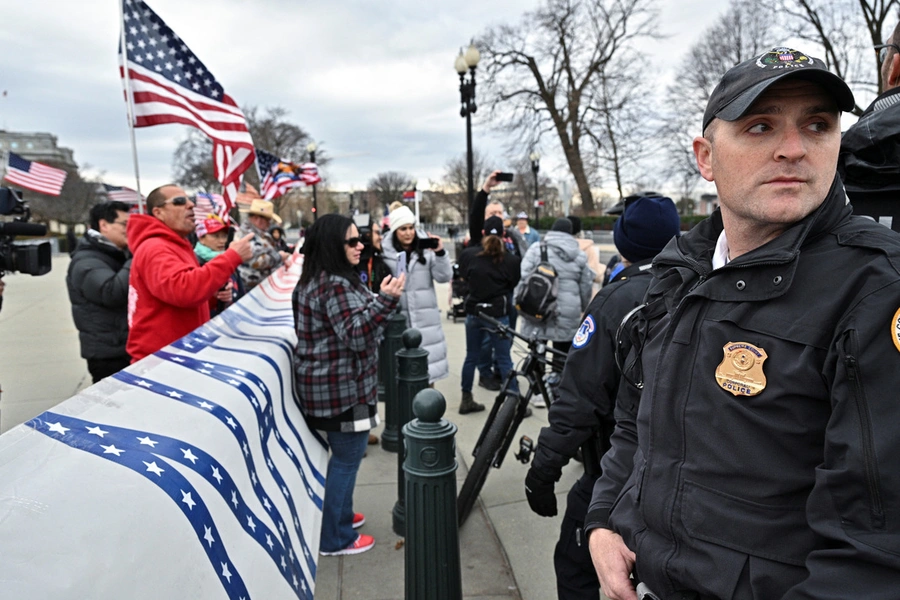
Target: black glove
{"x":540,"y":494}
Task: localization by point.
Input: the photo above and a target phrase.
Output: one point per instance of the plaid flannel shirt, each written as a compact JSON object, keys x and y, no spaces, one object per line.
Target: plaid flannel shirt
{"x":338,"y":323}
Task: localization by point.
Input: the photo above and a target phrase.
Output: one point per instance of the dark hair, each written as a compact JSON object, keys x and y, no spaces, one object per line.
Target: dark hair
{"x":106,"y":211}
{"x":324,"y":249}
{"x":277,"y":228}
{"x":413,"y":246}
{"x":576,"y":224}
{"x":492,"y":248}
{"x":157,"y":197}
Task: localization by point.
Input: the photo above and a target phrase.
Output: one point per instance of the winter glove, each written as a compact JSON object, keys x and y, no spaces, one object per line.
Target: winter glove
{"x":540,"y":494}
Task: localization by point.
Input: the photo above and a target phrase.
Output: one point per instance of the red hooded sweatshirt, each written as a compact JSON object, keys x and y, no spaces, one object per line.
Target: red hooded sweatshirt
{"x":168,"y":291}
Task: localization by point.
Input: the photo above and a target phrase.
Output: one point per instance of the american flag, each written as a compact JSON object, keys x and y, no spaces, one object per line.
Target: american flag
{"x":277,"y":175}
{"x":34,"y":176}
{"x":206,"y":205}
{"x":169,"y":84}
{"x":122,"y":194}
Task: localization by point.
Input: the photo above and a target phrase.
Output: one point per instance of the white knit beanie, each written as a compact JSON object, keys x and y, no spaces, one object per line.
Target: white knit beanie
{"x":401,"y":216}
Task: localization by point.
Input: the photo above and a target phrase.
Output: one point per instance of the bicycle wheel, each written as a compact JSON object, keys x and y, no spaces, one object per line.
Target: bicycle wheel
{"x":493,"y":441}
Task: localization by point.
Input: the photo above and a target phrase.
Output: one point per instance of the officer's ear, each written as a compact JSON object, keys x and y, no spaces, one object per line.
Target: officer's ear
{"x":894,"y":72}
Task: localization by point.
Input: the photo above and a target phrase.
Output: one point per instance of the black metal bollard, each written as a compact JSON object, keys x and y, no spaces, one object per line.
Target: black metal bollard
{"x":432,"y":533}
{"x":387,"y":380}
{"x":412,"y":377}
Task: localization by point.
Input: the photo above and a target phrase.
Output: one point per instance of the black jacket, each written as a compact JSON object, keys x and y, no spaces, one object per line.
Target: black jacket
{"x":489,"y":282}
{"x":869,"y":162}
{"x":517,"y":244}
{"x":372,"y":268}
{"x":789,"y":493}
{"x":97,"y":281}
{"x":590,"y":380}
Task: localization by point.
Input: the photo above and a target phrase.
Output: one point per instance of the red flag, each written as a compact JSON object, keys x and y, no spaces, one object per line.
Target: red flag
{"x":34,"y":176}
{"x":169,"y":84}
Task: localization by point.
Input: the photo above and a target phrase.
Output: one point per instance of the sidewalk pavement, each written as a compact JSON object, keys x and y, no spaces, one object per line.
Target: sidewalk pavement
{"x":506,"y":550}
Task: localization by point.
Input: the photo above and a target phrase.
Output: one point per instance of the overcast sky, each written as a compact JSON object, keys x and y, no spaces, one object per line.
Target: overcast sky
{"x":373,"y":82}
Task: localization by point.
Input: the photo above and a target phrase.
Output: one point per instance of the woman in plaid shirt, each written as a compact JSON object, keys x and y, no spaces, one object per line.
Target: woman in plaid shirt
{"x":338,"y":324}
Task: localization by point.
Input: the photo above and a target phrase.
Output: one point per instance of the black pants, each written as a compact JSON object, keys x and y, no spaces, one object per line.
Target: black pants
{"x":104,"y":367}
{"x":576,"y":578}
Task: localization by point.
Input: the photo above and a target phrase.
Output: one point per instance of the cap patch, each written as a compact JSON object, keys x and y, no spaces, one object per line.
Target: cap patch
{"x":783,"y":58}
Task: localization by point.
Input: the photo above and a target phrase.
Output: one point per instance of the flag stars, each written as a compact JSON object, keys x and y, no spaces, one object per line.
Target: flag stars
{"x":225,"y":572}
{"x":177,"y":359}
{"x":246,"y":448}
{"x":291,"y":554}
{"x":153,"y":41}
{"x":204,"y":371}
{"x":216,"y":475}
{"x":269,"y":542}
{"x":57,"y":428}
{"x":145,"y":384}
{"x":251,"y":524}
{"x":234,"y":499}
{"x":209,"y":366}
{"x":96,"y":431}
{"x":196,"y":86}
{"x":267,"y":504}
{"x":188,"y":455}
{"x":283,"y":563}
{"x":187,"y":499}
{"x":253,"y":477}
{"x":152,"y":467}
{"x":208,"y":536}
{"x":144,"y":29}
{"x":111,"y":449}
{"x":281,"y":527}
{"x":205,"y":404}
{"x":231,"y":423}
{"x":234,"y":382}
{"x":146,"y":441}
{"x":296,"y":583}
{"x":133,"y":30}
{"x":174,"y":394}
{"x":160,"y":53}
{"x":148,"y":56}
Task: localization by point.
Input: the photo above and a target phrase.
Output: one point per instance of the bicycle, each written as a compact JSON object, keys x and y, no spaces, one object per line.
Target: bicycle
{"x":509,"y":408}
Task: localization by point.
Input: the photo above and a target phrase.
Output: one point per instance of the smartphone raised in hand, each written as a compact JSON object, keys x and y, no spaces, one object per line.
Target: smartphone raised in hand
{"x":504,"y":177}
{"x":401,"y":264}
{"x":428,"y":243}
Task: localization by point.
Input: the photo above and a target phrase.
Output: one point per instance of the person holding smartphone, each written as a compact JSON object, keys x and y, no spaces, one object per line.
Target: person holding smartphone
{"x":426,"y":262}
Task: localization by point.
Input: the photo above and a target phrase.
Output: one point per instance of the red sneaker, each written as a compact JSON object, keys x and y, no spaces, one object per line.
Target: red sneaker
{"x":363,"y":543}
{"x":359,"y":520}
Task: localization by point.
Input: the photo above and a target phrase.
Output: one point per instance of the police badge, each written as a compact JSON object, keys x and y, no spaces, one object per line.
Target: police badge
{"x":741,"y":371}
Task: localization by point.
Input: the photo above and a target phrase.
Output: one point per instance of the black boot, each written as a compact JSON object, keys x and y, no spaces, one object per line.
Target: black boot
{"x":468,"y":404}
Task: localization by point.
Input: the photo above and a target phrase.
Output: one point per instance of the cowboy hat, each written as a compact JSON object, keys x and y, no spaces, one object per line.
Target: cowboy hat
{"x":262,"y":208}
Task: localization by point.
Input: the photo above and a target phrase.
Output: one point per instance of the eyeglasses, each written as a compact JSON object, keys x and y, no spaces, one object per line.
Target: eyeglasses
{"x":122,"y":223}
{"x":353,"y":242}
{"x":177,"y":201}
{"x":882,"y":50}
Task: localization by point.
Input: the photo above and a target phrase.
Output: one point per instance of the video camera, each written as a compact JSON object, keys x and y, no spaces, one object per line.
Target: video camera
{"x":31,"y":257}
{"x":363,"y":224}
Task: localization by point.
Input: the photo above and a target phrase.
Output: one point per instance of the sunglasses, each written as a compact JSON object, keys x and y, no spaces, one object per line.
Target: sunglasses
{"x":177,"y":201}
{"x":353,"y":242}
{"x":882,"y":50}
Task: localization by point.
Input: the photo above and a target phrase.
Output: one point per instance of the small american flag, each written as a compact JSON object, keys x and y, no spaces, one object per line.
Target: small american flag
{"x":169,"y":84}
{"x":277,"y":175}
{"x":121,"y":194}
{"x":34,"y":176}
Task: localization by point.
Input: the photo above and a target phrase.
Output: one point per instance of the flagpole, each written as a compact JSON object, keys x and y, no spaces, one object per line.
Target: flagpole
{"x":129,"y":105}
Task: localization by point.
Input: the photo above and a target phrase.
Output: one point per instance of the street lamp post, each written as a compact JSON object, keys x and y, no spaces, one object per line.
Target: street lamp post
{"x":535,"y":167}
{"x":311,"y":148}
{"x":464,"y":62}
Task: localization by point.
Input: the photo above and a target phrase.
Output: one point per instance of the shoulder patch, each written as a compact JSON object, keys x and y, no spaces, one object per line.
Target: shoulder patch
{"x":895,"y":329}
{"x":586,"y":331}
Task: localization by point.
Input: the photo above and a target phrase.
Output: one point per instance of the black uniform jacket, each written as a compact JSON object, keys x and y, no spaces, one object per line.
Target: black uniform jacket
{"x":792,"y":491}
{"x":590,"y":379}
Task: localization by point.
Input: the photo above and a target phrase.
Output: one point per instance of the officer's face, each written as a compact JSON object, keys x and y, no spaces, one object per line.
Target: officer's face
{"x":773,"y":166}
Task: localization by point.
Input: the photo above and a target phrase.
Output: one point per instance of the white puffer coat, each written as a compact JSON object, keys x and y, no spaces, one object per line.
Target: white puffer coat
{"x":419,"y":301}
{"x":575,"y":280}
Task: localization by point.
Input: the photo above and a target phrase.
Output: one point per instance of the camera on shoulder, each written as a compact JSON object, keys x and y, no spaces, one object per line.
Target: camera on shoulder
{"x":31,"y":257}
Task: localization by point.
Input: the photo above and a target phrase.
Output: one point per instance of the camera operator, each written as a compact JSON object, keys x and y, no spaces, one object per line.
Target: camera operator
{"x":371,"y":267}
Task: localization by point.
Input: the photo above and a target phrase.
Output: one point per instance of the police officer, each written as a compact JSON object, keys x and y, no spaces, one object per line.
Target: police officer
{"x":755,"y":443}
{"x":582,"y":417}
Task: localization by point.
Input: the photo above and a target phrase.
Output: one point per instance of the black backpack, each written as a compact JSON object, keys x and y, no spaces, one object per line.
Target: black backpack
{"x":536,"y":299}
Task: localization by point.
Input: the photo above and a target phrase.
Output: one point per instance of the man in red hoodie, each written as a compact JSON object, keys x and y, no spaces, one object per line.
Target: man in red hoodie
{"x":169,"y":292}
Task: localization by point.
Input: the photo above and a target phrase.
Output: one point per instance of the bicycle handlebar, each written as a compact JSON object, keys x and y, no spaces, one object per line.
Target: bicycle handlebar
{"x":532,"y":341}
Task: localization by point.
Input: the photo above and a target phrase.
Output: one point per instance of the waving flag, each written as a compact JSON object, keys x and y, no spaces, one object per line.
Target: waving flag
{"x":206,"y":205}
{"x":121,"y":194}
{"x":277,"y":175}
{"x":169,"y":84}
{"x":190,"y":474}
{"x":34,"y":176}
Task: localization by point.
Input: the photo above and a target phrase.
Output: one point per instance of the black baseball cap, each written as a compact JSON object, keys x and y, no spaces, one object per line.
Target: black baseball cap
{"x":746,"y":81}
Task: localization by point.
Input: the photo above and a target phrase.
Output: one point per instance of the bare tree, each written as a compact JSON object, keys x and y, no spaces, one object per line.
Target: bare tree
{"x":389,"y":186}
{"x":72,"y":205}
{"x":845,"y":30}
{"x":454,"y":183}
{"x":736,"y":36}
{"x":541,"y":75}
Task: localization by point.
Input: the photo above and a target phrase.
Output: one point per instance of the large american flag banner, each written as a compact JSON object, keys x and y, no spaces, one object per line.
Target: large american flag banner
{"x":169,"y":84}
{"x":277,"y":175}
{"x":121,"y":193}
{"x":190,"y":474}
{"x":34,"y":176}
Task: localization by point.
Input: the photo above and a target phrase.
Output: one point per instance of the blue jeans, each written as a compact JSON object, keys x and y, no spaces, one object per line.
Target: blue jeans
{"x":478,"y":334}
{"x":347,"y":449}
{"x":487,"y":362}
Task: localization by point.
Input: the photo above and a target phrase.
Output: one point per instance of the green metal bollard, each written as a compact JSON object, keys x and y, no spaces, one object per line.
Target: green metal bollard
{"x":387,"y":380}
{"x":432,"y":533}
{"x":412,"y":377}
